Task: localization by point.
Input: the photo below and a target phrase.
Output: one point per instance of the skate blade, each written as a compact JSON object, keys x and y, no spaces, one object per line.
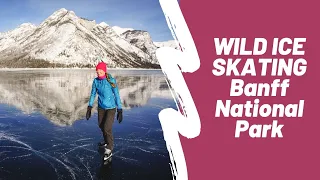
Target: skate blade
{"x":107,"y":158}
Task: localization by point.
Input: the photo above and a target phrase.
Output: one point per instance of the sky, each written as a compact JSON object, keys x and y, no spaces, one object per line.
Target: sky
{"x":137,"y":14}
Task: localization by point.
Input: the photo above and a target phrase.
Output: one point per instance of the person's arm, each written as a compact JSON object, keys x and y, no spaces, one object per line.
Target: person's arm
{"x":93,"y":94}
{"x":117,"y":95}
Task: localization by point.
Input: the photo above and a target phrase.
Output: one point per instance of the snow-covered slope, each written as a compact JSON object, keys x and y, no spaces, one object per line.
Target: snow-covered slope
{"x":120,"y":30}
{"x":142,"y":40}
{"x":170,"y":43}
{"x":64,"y":39}
{"x":7,"y":39}
{"x":62,"y":97}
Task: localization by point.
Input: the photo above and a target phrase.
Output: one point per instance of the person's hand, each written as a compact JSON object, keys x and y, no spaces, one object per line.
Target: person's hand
{"x":119,"y":115}
{"x":88,"y":115}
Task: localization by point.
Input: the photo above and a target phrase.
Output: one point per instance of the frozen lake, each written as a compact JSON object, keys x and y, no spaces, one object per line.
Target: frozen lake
{"x":44,"y":133}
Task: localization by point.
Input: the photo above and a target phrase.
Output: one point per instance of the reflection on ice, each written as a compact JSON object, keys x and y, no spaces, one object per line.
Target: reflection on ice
{"x":62,"y":96}
{"x":41,"y":138}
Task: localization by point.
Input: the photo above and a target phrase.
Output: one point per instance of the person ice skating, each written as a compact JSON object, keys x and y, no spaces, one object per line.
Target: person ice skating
{"x":108,"y":104}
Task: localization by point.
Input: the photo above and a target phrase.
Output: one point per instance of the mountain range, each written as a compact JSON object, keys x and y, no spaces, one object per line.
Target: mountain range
{"x":66,"y":40}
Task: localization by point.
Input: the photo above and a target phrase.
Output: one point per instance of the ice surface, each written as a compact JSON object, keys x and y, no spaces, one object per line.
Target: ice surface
{"x":43,"y":133}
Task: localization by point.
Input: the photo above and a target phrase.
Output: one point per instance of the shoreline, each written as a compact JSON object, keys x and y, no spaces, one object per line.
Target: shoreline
{"x":50,"y":69}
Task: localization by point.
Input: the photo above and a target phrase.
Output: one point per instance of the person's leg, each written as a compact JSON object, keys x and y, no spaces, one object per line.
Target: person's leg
{"x":101,"y":122}
{"x":110,"y":115}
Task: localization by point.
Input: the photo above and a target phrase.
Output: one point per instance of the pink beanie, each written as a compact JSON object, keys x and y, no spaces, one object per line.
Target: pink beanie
{"x":102,"y":66}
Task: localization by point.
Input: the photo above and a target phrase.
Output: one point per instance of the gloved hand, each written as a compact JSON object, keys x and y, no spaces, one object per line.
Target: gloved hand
{"x":119,"y":115}
{"x":88,"y":115}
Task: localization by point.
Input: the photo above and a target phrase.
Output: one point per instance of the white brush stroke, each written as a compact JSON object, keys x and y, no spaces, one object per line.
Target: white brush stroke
{"x":172,"y":121}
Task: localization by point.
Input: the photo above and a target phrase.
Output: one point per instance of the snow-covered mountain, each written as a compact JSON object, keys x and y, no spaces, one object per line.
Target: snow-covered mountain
{"x":171,"y":43}
{"x":62,"y":96}
{"x":120,"y":30}
{"x":143,"y":41}
{"x":66,"y":40}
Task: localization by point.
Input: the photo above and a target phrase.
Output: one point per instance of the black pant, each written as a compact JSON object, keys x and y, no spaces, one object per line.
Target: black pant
{"x":105,"y":120}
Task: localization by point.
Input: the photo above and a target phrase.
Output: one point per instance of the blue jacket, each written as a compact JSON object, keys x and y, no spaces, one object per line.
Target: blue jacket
{"x":108,"y":96}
